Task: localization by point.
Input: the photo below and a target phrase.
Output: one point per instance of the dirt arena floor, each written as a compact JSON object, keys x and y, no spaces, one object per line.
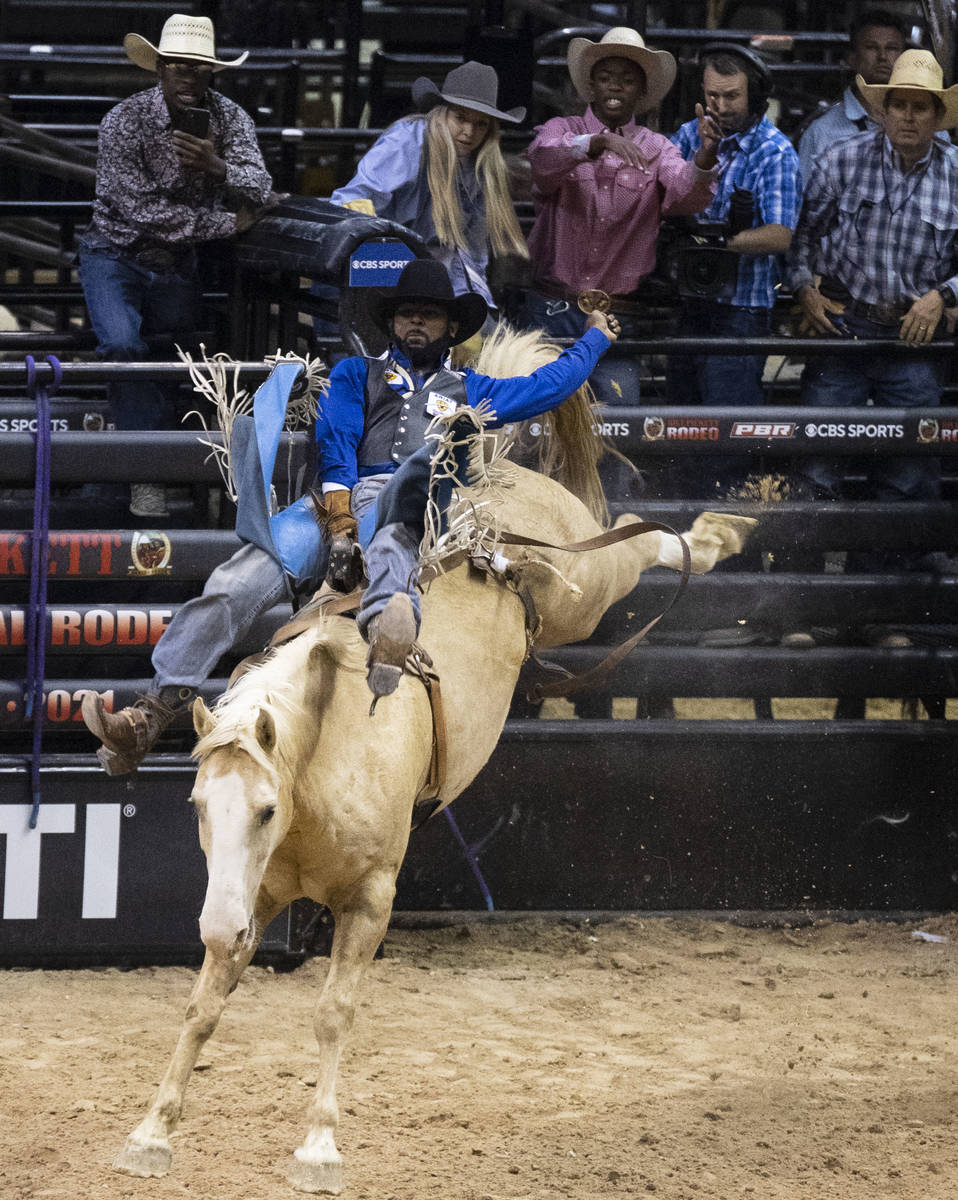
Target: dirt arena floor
{"x":680,"y":1057}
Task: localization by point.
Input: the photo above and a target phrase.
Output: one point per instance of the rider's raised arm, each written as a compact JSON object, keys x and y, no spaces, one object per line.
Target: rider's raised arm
{"x":525,"y":396}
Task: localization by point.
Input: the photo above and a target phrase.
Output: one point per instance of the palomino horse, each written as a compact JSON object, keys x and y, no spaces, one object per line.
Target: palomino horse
{"x":300,"y":792}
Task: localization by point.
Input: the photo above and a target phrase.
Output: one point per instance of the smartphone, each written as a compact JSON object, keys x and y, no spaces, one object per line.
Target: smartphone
{"x":195,"y":121}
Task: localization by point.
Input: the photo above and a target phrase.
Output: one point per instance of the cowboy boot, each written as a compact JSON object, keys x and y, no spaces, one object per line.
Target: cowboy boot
{"x":391,"y":636}
{"x":130,"y":734}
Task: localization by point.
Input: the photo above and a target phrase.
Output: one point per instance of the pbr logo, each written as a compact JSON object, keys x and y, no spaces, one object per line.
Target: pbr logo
{"x":151,"y":553}
{"x":378,"y":264}
{"x":763,"y":429}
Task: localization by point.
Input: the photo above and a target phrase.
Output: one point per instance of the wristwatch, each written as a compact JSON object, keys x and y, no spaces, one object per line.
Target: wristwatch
{"x":948,"y":296}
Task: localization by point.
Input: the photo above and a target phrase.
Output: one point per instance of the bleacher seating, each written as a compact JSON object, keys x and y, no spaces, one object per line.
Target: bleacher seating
{"x":109,"y":601}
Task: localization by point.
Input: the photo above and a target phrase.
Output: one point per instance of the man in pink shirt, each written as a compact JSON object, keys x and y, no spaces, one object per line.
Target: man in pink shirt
{"x":602,"y":182}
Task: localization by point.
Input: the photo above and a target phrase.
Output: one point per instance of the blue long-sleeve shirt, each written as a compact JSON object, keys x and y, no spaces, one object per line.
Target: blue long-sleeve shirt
{"x":340,"y":423}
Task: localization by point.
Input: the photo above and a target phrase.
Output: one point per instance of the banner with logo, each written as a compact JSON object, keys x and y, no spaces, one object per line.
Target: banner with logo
{"x":378,"y":264}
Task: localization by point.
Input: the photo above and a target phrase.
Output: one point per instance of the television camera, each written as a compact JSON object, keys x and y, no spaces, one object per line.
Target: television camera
{"x":693,"y":253}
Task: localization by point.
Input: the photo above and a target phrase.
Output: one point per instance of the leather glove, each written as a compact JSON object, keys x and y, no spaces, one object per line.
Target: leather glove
{"x":362,"y":205}
{"x":345,"y":569}
{"x":336,"y":517}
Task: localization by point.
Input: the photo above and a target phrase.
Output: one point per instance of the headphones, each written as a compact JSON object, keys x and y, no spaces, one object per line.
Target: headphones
{"x":756,"y":72}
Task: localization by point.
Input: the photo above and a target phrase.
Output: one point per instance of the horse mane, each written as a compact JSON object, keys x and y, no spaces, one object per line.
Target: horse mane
{"x":278,"y":687}
{"x":569,"y":446}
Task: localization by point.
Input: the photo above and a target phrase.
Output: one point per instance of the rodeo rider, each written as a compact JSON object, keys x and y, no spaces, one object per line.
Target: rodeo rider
{"x":373,"y":418}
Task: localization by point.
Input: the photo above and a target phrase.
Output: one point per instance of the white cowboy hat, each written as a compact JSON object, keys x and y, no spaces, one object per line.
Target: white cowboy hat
{"x":182,"y":37}
{"x":621,"y":42}
{"x":919,"y":70}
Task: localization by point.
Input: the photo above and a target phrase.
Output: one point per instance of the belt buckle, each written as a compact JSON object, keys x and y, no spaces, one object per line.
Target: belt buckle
{"x":592,"y":299}
{"x":883,"y":314}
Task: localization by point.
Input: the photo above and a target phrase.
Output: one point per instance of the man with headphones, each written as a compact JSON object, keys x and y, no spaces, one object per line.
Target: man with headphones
{"x":759,"y":180}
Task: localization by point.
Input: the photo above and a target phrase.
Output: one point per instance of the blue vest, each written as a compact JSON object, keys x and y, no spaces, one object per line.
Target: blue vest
{"x":395,"y":427}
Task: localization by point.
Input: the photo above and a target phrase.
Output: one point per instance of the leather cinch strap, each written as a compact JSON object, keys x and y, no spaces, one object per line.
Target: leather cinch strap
{"x":427,"y":802}
{"x":568,"y":683}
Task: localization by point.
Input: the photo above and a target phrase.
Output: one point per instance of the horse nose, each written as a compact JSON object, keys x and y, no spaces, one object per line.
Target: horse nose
{"x":225,"y":942}
{"x":225,"y":929}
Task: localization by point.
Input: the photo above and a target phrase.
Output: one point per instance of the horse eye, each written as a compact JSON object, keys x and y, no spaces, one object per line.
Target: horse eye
{"x":267,"y":815}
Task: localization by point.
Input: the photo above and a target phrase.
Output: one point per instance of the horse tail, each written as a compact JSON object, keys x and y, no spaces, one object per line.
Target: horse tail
{"x":569,"y":445}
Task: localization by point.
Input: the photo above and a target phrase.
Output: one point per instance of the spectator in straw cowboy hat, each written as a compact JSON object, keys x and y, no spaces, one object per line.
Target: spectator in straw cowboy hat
{"x":160,"y":190}
{"x":875,"y":255}
{"x":602,"y":182}
{"x":877,"y":245}
{"x":441,"y":173}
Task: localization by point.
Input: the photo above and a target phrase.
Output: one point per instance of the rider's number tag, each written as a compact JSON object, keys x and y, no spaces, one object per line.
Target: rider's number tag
{"x":438,"y":405}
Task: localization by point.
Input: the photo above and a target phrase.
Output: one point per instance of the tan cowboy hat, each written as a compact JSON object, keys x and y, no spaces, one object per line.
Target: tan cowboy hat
{"x":182,"y":37}
{"x":621,"y":42}
{"x":919,"y":70}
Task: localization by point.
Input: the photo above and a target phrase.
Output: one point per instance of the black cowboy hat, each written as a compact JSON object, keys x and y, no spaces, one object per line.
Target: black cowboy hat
{"x":426,"y":279}
{"x":473,"y":85}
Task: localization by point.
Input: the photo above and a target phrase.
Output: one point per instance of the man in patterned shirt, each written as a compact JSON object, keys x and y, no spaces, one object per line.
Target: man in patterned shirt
{"x":160,"y":190}
{"x":753,"y":157}
{"x":876,"y":250}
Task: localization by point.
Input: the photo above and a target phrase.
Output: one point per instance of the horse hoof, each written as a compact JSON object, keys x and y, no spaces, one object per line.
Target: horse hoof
{"x":145,"y":1161}
{"x":316,"y":1176}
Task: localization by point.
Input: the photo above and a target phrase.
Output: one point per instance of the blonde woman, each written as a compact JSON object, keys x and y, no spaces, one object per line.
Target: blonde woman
{"x":441,"y":173}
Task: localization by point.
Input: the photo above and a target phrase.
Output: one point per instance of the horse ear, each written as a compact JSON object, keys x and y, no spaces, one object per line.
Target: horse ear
{"x":265,"y":731}
{"x":202,"y":718}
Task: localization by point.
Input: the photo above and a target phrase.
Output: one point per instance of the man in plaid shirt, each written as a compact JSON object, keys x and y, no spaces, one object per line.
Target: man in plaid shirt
{"x":875,"y":255}
{"x":753,"y":156}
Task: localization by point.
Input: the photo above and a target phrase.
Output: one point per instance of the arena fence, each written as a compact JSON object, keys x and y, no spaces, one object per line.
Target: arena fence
{"x":638,"y":812}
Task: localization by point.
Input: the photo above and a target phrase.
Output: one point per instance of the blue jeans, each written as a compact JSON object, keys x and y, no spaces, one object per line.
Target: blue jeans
{"x":716,"y":379}
{"x":615,"y":381}
{"x":391,"y":556}
{"x":392,"y":563}
{"x":898,"y":380}
{"x":209,"y":626}
{"x":238,"y":592}
{"x":733,"y":379}
{"x":127,"y":303}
